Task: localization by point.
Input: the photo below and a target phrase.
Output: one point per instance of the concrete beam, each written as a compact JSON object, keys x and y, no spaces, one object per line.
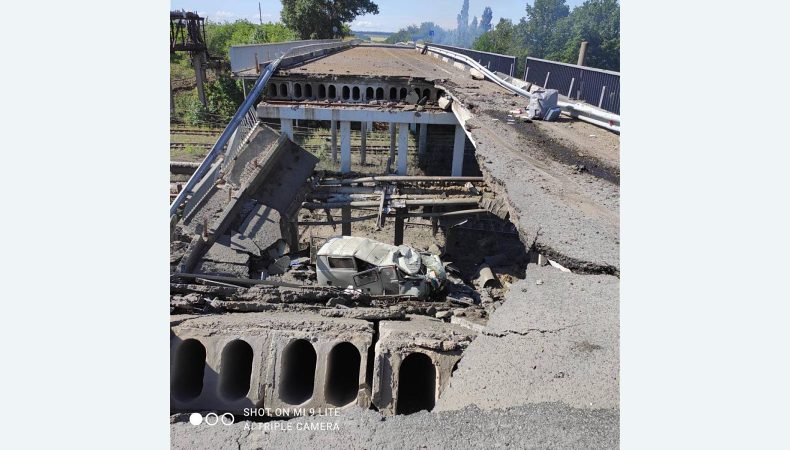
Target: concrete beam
{"x":458,"y":151}
{"x":287,"y":128}
{"x":345,"y":146}
{"x":355,"y":114}
{"x":403,"y":148}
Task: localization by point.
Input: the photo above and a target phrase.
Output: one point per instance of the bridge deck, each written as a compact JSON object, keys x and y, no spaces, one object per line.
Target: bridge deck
{"x":374,"y":61}
{"x":561,"y":178}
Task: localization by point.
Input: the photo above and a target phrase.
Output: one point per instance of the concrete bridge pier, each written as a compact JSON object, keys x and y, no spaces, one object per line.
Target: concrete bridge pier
{"x":392,"y":146}
{"x":403,"y":148}
{"x":423,"y":140}
{"x":287,"y":128}
{"x":333,"y":129}
{"x":363,"y":144}
{"x":345,"y":146}
{"x":458,"y":151}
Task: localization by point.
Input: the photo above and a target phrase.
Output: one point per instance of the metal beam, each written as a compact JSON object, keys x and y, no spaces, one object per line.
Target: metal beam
{"x":358,"y":114}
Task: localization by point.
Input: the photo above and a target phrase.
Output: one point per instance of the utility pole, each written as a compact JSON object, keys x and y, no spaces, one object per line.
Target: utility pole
{"x":260,"y":14}
{"x":582,"y":51}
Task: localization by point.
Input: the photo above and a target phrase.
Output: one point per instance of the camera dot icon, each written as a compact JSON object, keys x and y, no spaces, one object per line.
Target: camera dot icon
{"x":195,"y":419}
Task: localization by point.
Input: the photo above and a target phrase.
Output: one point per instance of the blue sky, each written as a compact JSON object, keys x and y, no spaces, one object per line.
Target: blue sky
{"x":393,"y":14}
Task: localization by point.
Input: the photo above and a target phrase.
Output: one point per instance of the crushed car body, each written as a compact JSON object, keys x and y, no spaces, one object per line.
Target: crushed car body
{"x":377,"y":268}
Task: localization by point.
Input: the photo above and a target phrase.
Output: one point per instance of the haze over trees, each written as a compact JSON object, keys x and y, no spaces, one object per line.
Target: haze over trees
{"x":463,"y":35}
{"x":324,"y":19}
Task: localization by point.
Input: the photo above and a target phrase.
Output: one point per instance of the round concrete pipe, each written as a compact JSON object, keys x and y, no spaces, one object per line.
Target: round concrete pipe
{"x":416,"y":384}
{"x":308,"y":90}
{"x":321,"y":91}
{"x":297,"y":90}
{"x":342,"y":368}
{"x":393,"y":93}
{"x":283,"y":90}
{"x":346,"y":93}
{"x":332,"y":91}
{"x":236,"y":369}
{"x":369,"y":93}
{"x":355,"y":93}
{"x":380,"y":94}
{"x":186,"y":376}
{"x":297,"y":372}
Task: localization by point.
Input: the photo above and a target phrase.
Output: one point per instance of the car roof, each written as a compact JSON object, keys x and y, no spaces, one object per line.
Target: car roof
{"x":368,"y":250}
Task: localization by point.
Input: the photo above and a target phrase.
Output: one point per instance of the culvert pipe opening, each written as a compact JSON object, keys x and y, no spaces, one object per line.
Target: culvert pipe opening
{"x":297,"y":372}
{"x":416,"y":384}
{"x":186,"y":380}
{"x":235,"y":370}
{"x":343,"y":365}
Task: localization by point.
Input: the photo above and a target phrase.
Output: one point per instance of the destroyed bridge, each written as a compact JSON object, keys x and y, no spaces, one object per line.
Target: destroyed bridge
{"x":421,"y":146}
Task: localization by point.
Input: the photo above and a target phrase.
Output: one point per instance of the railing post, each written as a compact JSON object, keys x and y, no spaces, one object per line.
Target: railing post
{"x":546,"y":83}
{"x":603,"y":91}
{"x":526,"y":70}
{"x":570,"y":90}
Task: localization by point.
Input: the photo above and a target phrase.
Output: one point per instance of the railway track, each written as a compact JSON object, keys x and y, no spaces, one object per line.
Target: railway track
{"x":182,"y":145}
{"x":195,"y":131}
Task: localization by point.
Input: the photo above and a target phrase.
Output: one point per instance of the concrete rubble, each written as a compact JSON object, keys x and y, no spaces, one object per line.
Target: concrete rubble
{"x":522,"y":349}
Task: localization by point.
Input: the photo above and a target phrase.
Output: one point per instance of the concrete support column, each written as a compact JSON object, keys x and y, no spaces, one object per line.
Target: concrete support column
{"x":345,"y":146}
{"x":403,"y":148}
{"x":197,"y":62}
{"x":370,"y":126}
{"x":363,"y":145}
{"x":287,"y":128}
{"x":458,"y":151}
{"x":398,"y":230}
{"x":392,"y":147}
{"x":333,"y":128}
{"x":582,"y":53}
{"x":346,"y":218}
{"x":423,"y":140}
{"x":413,"y":128}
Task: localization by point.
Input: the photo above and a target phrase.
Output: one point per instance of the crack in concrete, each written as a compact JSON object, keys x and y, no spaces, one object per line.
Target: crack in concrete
{"x":504,"y":333}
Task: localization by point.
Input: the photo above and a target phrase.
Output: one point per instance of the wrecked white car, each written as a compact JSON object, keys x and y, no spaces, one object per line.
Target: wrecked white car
{"x":376,"y":268}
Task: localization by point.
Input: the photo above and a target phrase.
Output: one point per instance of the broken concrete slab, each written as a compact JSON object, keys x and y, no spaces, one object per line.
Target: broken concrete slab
{"x":435,"y":341}
{"x":557,"y":341}
{"x":364,"y":313}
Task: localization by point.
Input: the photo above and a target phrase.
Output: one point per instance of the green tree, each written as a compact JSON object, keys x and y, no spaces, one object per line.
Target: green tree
{"x":323,"y":19}
{"x":543,"y":21}
{"x":598,"y":23}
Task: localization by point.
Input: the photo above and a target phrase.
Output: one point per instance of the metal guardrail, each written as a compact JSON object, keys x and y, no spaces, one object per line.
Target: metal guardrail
{"x":244,"y":57}
{"x":491,"y":61}
{"x":596,"y":87}
{"x":238,"y":129}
